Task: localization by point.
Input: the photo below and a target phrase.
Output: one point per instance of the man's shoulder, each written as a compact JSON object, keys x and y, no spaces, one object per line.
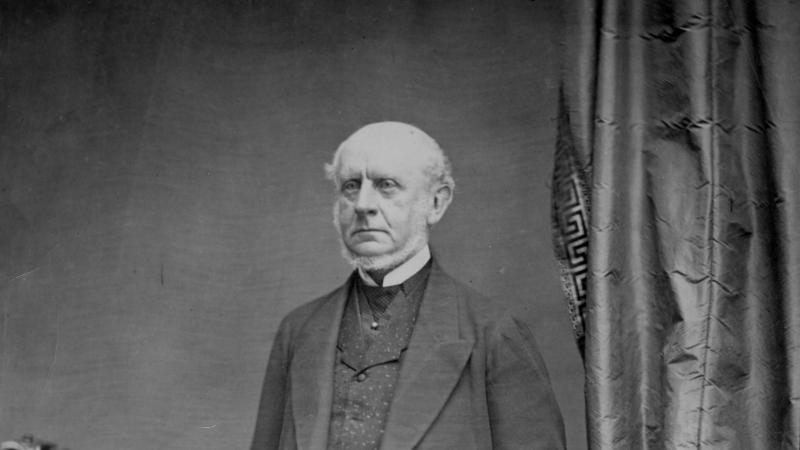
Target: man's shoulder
{"x":490,"y":321}
{"x":302,"y":313}
{"x":480,"y":307}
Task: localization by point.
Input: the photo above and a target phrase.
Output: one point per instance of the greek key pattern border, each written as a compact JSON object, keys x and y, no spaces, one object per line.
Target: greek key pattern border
{"x":570,"y":218}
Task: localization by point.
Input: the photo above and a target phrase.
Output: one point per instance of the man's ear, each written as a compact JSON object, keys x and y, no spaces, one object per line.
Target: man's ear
{"x":442,"y":197}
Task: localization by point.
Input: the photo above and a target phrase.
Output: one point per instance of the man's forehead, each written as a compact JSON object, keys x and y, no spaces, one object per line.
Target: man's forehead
{"x":389,"y":144}
{"x":376,"y":162}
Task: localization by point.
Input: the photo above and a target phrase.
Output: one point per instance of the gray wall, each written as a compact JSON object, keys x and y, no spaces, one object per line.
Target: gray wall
{"x":162,"y":201}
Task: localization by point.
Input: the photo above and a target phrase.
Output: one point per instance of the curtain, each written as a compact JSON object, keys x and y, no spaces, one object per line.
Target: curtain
{"x":679,"y":133}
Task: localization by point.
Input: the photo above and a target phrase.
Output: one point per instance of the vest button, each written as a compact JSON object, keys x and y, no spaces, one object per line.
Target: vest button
{"x":361,"y":377}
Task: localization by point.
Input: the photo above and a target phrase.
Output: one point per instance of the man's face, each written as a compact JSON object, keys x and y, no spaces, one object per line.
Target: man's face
{"x":383,"y":204}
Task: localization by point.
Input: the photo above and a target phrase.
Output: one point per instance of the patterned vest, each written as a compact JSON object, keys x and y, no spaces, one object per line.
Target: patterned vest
{"x":374,"y":333}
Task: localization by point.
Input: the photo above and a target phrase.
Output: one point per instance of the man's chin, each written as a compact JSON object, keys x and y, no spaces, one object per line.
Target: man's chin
{"x":379,"y":261}
{"x":368,"y":250}
{"x":370,"y":257}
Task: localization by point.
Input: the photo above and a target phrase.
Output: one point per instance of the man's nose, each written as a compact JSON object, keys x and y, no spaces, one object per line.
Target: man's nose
{"x":366,"y":201}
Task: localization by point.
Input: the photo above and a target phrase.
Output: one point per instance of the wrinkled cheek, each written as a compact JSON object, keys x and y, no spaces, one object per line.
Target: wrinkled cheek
{"x":343,"y":214}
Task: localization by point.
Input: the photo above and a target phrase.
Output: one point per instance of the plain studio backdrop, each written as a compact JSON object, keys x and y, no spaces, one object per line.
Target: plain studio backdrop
{"x":163,"y":205}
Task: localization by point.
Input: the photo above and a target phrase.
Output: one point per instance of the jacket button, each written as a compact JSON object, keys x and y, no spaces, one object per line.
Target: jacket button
{"x":361,"y":377}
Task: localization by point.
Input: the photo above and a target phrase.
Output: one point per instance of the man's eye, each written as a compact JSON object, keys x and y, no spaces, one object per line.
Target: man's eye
{"x":350,"y":186}
{"x":386,"y":184}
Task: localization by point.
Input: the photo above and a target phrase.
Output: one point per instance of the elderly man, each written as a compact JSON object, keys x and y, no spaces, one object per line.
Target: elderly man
{"x":402,"y":355}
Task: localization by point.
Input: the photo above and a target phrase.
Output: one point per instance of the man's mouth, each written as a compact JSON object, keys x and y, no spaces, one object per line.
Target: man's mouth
{"x":367,"y":230}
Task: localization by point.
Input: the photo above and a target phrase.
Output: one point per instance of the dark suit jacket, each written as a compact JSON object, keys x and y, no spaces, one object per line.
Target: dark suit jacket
{"x":471,"y":378}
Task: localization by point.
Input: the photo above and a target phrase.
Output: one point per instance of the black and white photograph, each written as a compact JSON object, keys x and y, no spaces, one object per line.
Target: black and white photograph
{"x":477,"y":224}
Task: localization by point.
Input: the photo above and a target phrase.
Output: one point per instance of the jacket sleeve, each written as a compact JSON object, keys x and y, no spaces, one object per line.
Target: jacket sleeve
{"x":274,"y":407}
{"x":523,"y":412}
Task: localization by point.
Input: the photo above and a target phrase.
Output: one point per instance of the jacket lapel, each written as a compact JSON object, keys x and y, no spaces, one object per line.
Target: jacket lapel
{"x":312,"y":371}
{"x":431,"y":367}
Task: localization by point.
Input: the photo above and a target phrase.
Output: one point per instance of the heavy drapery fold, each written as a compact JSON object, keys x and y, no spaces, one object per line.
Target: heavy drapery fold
{"x":682,"y":120}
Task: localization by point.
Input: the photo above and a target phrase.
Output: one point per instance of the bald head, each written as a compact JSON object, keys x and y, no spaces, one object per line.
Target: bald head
{"x":393,"y":184}
{"x":405,"y":141}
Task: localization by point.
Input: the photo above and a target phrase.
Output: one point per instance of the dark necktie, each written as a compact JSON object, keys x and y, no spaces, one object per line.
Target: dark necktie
{"x":380,"y":297}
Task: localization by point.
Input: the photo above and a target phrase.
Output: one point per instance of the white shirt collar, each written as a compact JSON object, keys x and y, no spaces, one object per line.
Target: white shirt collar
{"x":402,"y":272}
